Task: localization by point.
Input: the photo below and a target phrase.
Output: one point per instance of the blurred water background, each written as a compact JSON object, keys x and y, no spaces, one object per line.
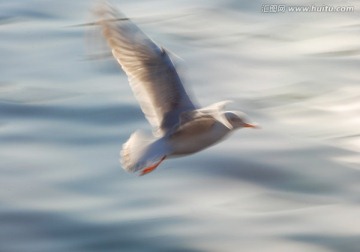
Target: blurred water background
{"x":64,"y":114}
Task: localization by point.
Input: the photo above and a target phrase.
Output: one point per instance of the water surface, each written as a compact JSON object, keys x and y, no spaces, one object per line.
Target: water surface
{"x":291,"y":186}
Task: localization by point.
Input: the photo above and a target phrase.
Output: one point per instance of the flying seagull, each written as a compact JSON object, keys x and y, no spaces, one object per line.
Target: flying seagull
{"x":180,"y":126}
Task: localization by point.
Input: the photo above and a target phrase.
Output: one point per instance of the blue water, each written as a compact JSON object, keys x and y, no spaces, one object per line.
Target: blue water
{"x":65,"y":112}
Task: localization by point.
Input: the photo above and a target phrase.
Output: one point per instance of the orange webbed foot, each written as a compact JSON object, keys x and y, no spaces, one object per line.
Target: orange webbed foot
{"x":152,"y":167}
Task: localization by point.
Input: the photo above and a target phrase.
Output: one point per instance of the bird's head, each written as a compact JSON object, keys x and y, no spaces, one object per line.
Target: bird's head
{"x":238,"y":120}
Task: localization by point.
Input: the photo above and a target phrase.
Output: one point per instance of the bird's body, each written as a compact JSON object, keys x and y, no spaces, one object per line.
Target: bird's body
{"x":180,"y":126}
{"x":186,"y":141}
{"x":197,"y":135}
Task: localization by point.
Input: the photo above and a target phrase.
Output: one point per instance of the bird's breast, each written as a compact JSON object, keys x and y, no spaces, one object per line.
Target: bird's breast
{"x":196,"y":137}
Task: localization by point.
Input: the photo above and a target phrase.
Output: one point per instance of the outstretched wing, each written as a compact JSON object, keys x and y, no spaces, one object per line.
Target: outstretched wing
{"x":151,"y":73}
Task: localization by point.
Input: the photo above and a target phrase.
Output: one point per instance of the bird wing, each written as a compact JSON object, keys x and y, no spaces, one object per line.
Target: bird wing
{"x":214,"y":111}
{"x":152,"y":75}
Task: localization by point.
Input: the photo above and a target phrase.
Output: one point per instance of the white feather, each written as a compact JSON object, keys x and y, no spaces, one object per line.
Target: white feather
{"x":141,"y":151}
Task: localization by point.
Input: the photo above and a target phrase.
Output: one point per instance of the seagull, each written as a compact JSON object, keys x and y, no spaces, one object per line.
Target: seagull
{"x":180,"y":127}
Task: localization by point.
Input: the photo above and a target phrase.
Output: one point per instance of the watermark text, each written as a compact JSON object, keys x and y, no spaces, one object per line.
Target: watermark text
{"x":282,"y":8}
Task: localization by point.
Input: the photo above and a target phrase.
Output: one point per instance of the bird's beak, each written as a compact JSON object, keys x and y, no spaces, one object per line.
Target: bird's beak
{"x":251,"y":125}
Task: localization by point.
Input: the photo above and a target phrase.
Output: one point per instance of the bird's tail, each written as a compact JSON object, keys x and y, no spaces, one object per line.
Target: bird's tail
{"x":142,"y":152}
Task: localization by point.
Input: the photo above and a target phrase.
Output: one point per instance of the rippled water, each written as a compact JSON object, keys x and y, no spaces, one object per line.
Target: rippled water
{"x":291,"y":186}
